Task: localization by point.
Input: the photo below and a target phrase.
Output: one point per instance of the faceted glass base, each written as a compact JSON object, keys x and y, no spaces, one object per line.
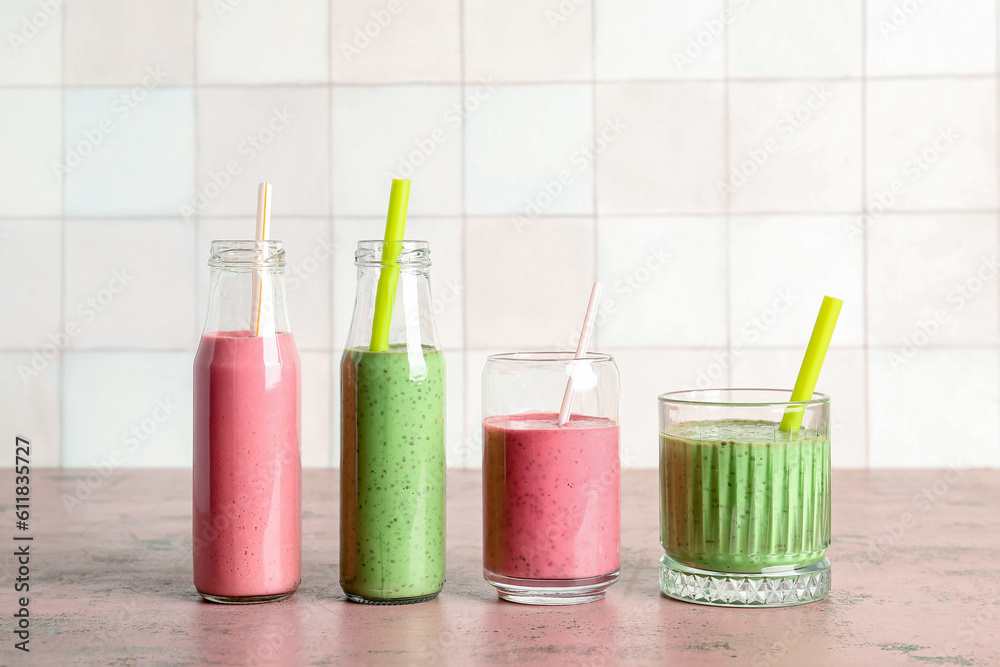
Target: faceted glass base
{"x":252,"y":599}
{"x":783,"y":588}
{"x":550,"y":591}
{"x":366,"y":600}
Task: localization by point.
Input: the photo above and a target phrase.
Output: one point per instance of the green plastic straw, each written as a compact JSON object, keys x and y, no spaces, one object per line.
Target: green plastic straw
{"x":395,"y":223}
{"x":819,"y":343}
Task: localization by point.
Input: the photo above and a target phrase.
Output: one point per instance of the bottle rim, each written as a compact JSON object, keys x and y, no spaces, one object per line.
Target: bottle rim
{"x":413,"y":253}
{"x":246,"y":254}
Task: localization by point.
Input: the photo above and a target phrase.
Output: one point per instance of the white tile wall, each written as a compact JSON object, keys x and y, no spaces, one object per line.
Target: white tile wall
{"x":954,"y":37}
{"x":113,"y":42}
{"x":30,"y":128}
{"x":34,"y":52}
{"x":134,"y":403}
{"x":129,"y":151}
{"x":368,"y":36}
{"x":277,"y":134}
{"x":938,"y":408}
{"x":780,"y":269}
{"x":271,"y":41}
{"x":524,"y":40}
{"x":31,"y":266}
{"x":660,"y":39}
{"x":128,"y":284}
{"x":795,"y":146}
{"x":645,"y":264}
{"x":549,"y":144}
{"x":525,"y":152}
{"x":385,"y":132}
{"x":803,"y":39}
{"x":664,"y":147}
{"x":932,"y":144}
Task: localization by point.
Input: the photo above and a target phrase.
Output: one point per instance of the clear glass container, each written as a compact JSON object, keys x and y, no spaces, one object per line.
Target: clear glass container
{"x":247,"y":471}
{"x":551,"y":494}
{"x":744,"y":506}
{"x":392,"y":471}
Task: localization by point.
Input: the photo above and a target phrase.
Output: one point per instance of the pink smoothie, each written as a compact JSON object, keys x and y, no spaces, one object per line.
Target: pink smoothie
{"x":551,"y":497}
{"x":247,"y":472}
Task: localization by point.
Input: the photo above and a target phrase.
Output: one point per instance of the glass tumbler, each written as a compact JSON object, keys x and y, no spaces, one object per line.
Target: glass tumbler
{"x":744,"y":505}
{"x":551,"y":494}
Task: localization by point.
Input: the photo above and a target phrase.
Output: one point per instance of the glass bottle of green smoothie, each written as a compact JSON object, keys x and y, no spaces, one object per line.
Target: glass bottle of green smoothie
{"x":392,"y":466}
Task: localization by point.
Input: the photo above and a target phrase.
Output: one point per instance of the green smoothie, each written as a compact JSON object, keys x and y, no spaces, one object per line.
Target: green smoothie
{"x":741,"y":496}
{"x":392,"y":475}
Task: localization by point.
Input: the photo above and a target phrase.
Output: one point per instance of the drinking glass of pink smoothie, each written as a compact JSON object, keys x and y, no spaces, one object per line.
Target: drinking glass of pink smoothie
{"x":247,"y":471}
{"x":551,"y":493}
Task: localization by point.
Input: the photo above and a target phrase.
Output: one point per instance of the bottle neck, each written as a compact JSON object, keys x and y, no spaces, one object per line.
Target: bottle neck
{"x":412,"y":323}
{"x":247,"y":302}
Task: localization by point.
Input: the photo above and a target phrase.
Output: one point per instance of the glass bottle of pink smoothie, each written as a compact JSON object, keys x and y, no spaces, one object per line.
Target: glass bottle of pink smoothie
{"x":247,"y":471}
{"x":551,"y":493}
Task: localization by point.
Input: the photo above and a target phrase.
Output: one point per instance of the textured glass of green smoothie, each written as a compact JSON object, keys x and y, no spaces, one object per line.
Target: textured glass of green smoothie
{"x":392,"y":474}
{"x":741,"y":496}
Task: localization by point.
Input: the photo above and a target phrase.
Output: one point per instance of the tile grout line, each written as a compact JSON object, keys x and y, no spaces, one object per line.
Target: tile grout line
{"x":195,"y":98}
{"x":463,"y":239}
{"x":595,"y":217}
{"x":727,"y":226}
{"x":62,"y":242}
{"x":986,"y":76}
{"x":506,"y":216}
{"x":996,"y":103}
{"x":334,"y":432}
{"x":864,"y":229}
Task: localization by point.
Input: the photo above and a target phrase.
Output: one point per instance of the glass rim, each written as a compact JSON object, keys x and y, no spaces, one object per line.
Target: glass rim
{"x":547,"y":356}
{"x":677,"y":397}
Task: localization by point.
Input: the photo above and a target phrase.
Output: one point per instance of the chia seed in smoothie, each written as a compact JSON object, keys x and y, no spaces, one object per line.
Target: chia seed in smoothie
{"x":392,"y":475}
{"x":741,"y":496}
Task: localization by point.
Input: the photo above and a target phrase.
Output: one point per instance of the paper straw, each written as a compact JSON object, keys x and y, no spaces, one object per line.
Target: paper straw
{"x":581,"y":351}
{"x":263,"y":233}
{"x":385,"y":297}
{"x":819,"y":343}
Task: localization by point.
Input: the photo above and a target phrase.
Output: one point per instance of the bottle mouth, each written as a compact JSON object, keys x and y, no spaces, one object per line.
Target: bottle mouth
{"x":247,"y":255}
{"x":412,"y":254}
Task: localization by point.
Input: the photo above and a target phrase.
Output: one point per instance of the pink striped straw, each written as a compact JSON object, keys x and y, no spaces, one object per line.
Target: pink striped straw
{"x":581,"y":351}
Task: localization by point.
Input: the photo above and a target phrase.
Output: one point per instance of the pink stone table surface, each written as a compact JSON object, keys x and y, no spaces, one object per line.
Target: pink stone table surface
{"x":916,"y":581}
